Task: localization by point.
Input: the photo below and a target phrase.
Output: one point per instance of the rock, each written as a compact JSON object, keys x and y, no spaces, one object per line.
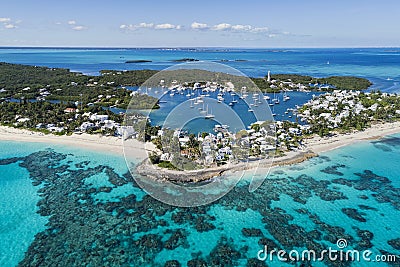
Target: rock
{"x":334,"y":169}
{"x":251,"y":232}
{"x":354,"y":214}
{"x":395,"y":243}
{"x":197,"y":263}
{"x":172,"y":263}
{"x":254,"y":262}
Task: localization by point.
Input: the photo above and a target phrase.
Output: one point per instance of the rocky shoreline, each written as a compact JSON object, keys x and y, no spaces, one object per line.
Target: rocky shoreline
{"x":147,"y":169}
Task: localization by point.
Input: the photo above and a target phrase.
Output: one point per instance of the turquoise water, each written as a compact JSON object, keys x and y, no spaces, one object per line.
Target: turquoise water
{"x":68,"y":206}
{"x":94,"y":213}
{"x":378,"y":64}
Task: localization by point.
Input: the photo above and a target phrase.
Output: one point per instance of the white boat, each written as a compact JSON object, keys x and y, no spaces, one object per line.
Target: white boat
{"x":209,"y":115}
{"x":250,"y":110}
{"x":266,"y":97}
{"x":286,"y":97}
{"x":203,"y":111}
{"x":234,"y":101}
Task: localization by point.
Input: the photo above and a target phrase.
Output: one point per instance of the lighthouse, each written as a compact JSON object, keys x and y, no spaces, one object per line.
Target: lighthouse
{"x":269,"y":76}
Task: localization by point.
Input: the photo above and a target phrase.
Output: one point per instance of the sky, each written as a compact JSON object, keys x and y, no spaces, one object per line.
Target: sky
{"x":200,"y":23}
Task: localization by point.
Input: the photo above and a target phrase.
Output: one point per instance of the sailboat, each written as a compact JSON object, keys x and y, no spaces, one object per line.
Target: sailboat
{"x":275,"y":100}
{"x":234,"y":100}
{"x":203,"y":111}
{"x":285,"y":97}
{"x":209,"y":115}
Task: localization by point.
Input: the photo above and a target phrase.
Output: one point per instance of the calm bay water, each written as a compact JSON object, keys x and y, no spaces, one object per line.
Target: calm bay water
{"x":94,"y":214}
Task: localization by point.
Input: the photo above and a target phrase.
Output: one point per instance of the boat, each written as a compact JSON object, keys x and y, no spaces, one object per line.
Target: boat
{"x":275,"y":99}
{"x":250,"y":110}
{"x":286,"y":97}
{"x":266,"y":97}
{"x":234,"y":100}
{"x":203,"y":110}
{"x":209,"y":115}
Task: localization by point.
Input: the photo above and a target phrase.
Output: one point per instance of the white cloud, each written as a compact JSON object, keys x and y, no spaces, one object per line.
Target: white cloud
{"x":199,"y":26}
{"x":71,"y":22}
{"x":222,"y":27}
{"x":145,"y":25}
{"x":5,"y":20}
{"x":241,"y":27}
{"x":79,"y":28}
{"x":260,"y":29}
{"x":10,"y":26}
{"x":167,"y":26}
{"x":142,"y":25}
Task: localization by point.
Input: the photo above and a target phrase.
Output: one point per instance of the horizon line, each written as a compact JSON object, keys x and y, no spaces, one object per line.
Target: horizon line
{"x":196,"y":47}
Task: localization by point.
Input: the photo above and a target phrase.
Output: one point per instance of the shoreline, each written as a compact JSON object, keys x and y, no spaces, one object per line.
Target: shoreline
{"x":98,"y":143}
{"x":137,"y":150}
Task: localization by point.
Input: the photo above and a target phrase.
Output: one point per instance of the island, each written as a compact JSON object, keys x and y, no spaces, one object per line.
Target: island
{"x":138,"y":61}
{"x":61,"y":102}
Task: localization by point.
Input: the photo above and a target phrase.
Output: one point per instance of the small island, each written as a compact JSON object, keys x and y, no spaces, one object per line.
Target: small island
{"x":58,"y":101}
{"x":138,"y":61}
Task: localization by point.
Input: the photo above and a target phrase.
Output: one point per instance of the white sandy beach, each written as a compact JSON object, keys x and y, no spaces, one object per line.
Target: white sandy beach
{"x":107,"y":144}
{"x":136,"y":149}
{"x":377,"y":131}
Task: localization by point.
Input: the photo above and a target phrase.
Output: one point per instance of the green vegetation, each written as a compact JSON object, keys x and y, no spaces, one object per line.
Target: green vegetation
{"x":282,"y":81}
{"x":125,"y":78}
{"x":44,"y":113}
{"x":31,"y":82}
{"x":33,"y":87}
{"x":347,"y":82}
{"x":138,"y":61}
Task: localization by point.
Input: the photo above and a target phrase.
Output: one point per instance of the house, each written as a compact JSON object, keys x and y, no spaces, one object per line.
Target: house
{"x":96,"y":117}
{"x":70,"y":110}
{"x":86,"y":125}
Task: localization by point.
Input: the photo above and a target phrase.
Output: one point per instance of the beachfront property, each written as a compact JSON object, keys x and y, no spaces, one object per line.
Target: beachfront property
{"x":346,"y":110}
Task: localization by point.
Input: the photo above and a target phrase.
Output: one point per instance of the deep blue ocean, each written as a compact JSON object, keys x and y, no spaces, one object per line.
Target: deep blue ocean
{"x":72,"y":207}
